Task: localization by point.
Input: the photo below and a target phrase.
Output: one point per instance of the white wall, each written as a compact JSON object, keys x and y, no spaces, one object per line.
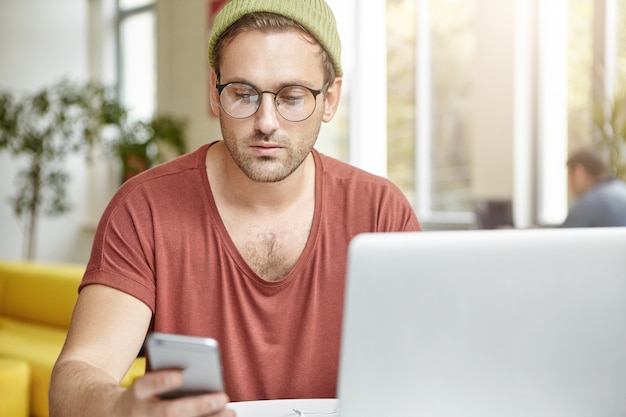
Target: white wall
{"x":42,"y":41}
{"x":183,"y":84}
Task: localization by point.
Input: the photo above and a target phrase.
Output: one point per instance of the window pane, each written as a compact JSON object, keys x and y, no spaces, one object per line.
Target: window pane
{"x":401,"y":37}
{"x":137,"y":64}
{"x":580,"y":56}
{"x":453,"y":53}
{"x":621,"y":46}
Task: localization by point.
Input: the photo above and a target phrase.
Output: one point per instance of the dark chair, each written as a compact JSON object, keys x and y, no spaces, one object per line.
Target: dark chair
{"x":493,"y":214}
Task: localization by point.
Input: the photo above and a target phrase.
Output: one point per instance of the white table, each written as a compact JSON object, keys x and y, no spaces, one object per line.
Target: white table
{"x":319,"y":407}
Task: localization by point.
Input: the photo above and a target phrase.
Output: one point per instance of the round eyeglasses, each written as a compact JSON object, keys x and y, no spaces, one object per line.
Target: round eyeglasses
{"x":293,"y":102}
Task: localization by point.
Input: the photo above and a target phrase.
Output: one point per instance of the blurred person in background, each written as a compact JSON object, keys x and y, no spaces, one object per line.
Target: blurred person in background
{"x":599,"y":198}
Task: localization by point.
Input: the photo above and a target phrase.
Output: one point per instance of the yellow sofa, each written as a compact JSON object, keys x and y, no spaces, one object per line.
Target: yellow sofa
{"x":36,"y":303}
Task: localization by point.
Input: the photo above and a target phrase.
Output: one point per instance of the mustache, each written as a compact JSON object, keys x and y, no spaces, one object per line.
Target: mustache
{"x":261,"y":137}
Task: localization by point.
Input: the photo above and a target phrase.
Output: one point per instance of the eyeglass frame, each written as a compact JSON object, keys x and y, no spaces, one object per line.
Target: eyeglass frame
{"x":221,"y":87}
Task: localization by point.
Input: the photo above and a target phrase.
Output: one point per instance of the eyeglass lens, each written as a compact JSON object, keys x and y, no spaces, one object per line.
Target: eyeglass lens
{"x":295,"y":103}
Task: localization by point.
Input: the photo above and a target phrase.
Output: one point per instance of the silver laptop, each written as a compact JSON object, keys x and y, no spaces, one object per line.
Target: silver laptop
{"x":501,"y":323}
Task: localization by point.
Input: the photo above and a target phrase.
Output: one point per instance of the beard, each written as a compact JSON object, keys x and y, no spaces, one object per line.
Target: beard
{"x":269,"y":168}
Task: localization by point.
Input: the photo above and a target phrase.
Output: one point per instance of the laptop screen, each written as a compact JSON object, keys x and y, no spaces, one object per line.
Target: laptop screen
{"x":485,"y":323}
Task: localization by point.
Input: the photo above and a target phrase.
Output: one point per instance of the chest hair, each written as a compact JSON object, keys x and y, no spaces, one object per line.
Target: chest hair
{"x":271,"y":250}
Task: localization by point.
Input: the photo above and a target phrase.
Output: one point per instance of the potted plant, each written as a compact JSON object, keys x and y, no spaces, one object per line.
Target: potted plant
{"x":43,"y":129}
{"x":141,"y":145}
{"x":610,"y":133}
{"x":66,"y":118}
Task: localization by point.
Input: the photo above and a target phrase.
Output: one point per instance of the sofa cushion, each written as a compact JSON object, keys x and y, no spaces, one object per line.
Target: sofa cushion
{"x":137,"y":369}
{"x":40,"y":346}
{"x":14,"y":387}
{"x":39,"y":292}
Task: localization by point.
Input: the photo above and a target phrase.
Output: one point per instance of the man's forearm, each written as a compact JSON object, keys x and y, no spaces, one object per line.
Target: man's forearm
{"x":79,"y":389}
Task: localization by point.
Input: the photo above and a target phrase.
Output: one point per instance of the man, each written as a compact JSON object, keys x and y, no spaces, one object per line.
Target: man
{"x":244,"y":240}
{"x":600,"y":198}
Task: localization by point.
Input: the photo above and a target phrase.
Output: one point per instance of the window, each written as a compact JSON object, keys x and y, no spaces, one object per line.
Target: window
{"x":563,"y":52}
{"x":137,"y":56}
{"x":621,"y":46}
{"x":122,"y":53}
{"x":580,"y":65}
{"x":431,"y":47}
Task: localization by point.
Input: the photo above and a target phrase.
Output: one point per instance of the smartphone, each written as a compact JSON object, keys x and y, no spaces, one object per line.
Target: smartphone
{"x":198,"y":358}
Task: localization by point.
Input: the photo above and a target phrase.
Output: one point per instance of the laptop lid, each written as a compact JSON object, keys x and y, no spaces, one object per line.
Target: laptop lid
{"x":485,"y":323}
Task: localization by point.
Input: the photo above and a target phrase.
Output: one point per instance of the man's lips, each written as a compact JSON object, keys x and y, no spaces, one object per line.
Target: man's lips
{"x":266,"y":148}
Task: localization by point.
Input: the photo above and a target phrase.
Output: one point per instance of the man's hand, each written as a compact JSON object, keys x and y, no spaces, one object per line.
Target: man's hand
{"x":142,"y":399}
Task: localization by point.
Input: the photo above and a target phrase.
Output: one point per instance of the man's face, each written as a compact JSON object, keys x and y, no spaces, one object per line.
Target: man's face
{"x":579,"y":180}
{"x":265,"y":146}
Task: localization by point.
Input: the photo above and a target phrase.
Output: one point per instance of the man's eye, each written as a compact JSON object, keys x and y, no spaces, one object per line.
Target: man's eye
{"x":292,"y":99}
{"x":246,"y":98}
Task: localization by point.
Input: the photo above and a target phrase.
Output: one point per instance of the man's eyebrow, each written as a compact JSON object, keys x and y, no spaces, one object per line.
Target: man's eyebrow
{"x":278,"y":86}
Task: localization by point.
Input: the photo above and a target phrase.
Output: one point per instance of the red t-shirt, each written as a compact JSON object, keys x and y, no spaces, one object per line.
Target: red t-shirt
{"x":162,"y":241}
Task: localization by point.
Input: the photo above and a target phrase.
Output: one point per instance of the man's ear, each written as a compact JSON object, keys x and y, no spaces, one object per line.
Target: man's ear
{"x":214,"y":96}
{"x":332,"y":98}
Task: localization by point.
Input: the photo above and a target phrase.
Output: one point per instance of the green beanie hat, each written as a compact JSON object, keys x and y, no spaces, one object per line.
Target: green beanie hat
{"x":314,"y":15}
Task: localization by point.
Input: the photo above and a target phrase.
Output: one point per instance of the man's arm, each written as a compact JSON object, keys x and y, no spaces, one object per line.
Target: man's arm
{"x":108,"y":328}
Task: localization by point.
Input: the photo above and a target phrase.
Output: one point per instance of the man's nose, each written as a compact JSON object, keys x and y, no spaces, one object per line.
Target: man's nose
{"x":267,"y":117}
